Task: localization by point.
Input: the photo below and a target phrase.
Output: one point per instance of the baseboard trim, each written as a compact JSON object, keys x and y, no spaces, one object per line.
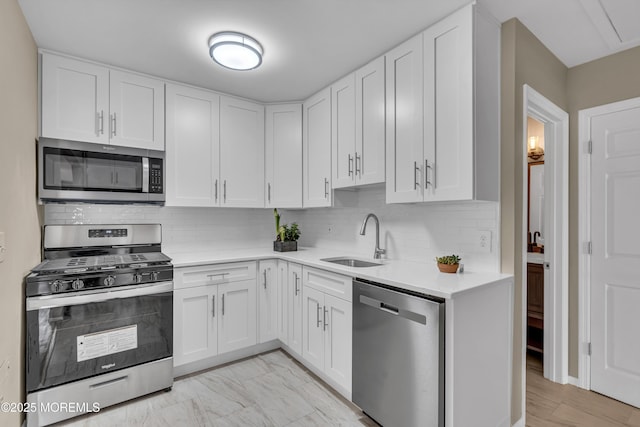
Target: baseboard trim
{"x":519,"y":423}
{"x":573,"y":381}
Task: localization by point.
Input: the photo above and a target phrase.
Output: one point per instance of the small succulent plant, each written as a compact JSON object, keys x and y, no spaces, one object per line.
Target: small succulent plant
{"x":448,"y":259}
{"x":285,"y":232}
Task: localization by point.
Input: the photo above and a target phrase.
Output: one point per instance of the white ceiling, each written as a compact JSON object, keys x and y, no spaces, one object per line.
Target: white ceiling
{"x":308,"y":43}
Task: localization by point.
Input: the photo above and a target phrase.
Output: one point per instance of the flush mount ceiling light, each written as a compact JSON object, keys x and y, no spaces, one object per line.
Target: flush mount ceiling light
{"x":235,"y":51}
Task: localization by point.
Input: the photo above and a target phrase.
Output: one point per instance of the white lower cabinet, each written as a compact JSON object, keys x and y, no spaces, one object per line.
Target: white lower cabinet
{"x":294,"y":311}
{"x":282,"y":279}
{"x":215,"y":310}
{"x":326,"y":328}
{"x":267,"y":300}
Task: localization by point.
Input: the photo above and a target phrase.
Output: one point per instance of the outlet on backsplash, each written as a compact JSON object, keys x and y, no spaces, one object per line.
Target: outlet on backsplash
{"x":483,"y":241}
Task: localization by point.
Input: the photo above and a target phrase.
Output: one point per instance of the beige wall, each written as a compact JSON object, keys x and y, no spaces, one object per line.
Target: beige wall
{"x":19,"y":214}
{"x":610,"y":79}
{"x":525,"y":60}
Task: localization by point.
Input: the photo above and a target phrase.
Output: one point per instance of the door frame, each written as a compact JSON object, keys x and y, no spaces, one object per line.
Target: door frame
{"x":584,"y":232}
{"x":556,"y":286}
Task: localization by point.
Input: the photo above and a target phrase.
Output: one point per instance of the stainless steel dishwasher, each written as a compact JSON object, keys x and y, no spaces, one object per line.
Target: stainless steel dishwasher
{"x":398,"y":356}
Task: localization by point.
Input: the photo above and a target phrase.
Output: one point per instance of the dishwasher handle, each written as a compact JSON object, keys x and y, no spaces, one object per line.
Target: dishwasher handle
{"x":388,"y":308}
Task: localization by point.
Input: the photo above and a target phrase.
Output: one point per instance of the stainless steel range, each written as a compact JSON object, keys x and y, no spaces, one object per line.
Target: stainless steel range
{"x":99,"y":320}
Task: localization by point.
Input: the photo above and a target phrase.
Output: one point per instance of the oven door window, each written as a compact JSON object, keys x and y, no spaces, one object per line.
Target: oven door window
{"x":66,"y":169}
{"x":69,"y":343}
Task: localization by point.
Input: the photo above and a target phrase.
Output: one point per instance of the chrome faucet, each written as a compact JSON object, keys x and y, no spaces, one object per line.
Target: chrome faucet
{"x":378,"y":250}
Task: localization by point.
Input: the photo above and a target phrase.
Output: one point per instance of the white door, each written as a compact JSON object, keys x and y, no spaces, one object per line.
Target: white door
{"x":370,"y":123}
{"x":294,"y":314}
{"x":615,"y":233}
{"x":136,"y":111}
{"x":283,"y":156}
{"x":241,"y":153}
{"x":283,"y":301}
{"x":75,"y":100}
{"x":194,"y":324}
{"x":316,"y":150}
{"x":267,"y":300}
{"x":343,"y":132}
{"x":193,"y":147}
{"x":313,"y":326}
{"x":337,"y":340}
{"x":448,"y":109}
{"x":237,"y":318}
{"x":404,"y":122}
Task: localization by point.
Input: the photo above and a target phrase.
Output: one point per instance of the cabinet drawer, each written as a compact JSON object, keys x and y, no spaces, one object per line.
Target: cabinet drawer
{"x":188,"y":277}
{"x":327,"y":282}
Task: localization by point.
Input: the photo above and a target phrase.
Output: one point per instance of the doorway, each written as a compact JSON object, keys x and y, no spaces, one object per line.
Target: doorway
{"x":609,"y":293}
{"x":551,"y":244}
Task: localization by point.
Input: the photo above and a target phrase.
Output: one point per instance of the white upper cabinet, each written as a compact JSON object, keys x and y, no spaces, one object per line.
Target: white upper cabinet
{"x":193,"y":148}
{"x":370,"y":123}
{"x":316,"y":150}
{"x":75,"y":100}
{"x":343,"y":131}
{"x":241,"y":153}
{"x":458,"y":156}
{"x":283,"y":156}
{"x":358,"y":127}
{"x":404,"y":121}
{"x":137,"y":111}
{"x":87,"y":102}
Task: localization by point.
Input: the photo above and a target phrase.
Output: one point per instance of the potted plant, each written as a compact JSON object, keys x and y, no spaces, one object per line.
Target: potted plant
{"x":286,"y":235}
{"x":448,"y":263}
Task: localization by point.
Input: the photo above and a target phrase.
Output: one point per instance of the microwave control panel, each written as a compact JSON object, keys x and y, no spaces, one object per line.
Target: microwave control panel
{"x":155,"y":176}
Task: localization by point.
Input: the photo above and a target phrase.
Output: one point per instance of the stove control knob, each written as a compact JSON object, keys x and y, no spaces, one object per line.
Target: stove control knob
{"x":57,"y":286}
{"x":109,"y":281}
{"x":137,"y":278}
{"x":154,"y":275}
{"x":77,"y":284}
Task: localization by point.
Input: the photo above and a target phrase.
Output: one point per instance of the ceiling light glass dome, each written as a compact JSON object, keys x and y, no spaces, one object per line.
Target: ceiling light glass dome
{"x":235,"y":51}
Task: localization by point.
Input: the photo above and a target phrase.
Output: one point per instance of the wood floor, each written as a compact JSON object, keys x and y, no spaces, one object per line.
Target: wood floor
{"x":550,"y":404}
{"x":270,"y":390}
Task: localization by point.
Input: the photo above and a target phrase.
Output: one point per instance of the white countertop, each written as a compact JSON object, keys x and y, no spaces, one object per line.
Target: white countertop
{"x":416,"y":277}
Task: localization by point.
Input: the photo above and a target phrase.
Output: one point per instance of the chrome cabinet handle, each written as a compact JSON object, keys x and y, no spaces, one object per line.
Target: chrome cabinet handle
{"x":265,"y":278}
{"x":224,"y":191}
{"x":416,"y":169}
{"x":216,"y":190}
{"x":326,"y":191}
{"x":211,"y":276}
{"x":325,"y":319}
{"x":427,"y":183}
{"x":223,"y":304}
{"x":269,"y":192}
{"x":318,"y":321}
{"x":100,"y":123}
{"x":358,"y":162}
{"x":213,"y":306}
{"x":296,"y":289}
{"x":350,"y":160}
{"x":113,"y":124}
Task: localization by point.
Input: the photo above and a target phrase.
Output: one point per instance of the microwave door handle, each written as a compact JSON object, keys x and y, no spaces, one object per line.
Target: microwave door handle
{"x":145,"y":174}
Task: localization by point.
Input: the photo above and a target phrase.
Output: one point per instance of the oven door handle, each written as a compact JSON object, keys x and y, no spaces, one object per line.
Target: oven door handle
{"x":63,"y":300}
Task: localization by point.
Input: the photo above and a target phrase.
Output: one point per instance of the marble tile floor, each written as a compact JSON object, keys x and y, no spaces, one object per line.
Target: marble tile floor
{"x":270,"y":389}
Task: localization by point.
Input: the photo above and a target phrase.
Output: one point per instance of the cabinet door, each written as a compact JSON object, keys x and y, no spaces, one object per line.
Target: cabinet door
{"x":404,"y":90}
{"x":237,"y":318}
{"x":194,"y":324}
{"x":283,"y":302}
{"x":313,"y":326}
{"x":343,"y":132}
{"x":75,"y":100}
{"x":316,"y":150}
{"x":136,"y":111}
{"x":241,"y":153}
{"x":295,"y":307}
{"x":337,"y":340}
{"x":535,"y":290}
{"x":193,"y":147}
{"x":370,"y":123}
{"x":448,"y":118}
{"x":283,"y":156}
{"x":267,"y":300}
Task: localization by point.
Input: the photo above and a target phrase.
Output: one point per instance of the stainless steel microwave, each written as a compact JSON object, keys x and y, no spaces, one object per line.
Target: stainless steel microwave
{"x":87,"y":172}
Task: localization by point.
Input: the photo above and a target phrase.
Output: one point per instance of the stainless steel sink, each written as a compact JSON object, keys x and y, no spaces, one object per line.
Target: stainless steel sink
{"x":352,"y":262}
